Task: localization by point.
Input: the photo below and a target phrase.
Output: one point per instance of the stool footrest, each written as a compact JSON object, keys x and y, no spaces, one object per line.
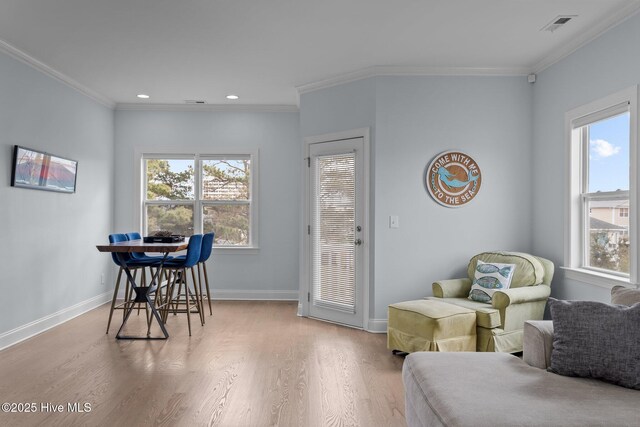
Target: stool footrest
{"x":428,"y":325}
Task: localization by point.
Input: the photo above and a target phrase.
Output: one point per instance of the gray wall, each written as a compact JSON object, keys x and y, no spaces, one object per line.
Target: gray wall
{"x":413,"y":119}
{"x":48,"y":257}
{"x":603,"y":67}
{"x":273,"y":271}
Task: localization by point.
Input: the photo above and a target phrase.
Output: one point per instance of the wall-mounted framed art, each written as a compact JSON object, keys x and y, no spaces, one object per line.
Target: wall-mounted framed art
{"x":43,"y":171}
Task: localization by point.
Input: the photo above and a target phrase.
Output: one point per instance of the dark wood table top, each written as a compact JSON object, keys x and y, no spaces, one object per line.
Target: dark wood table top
{"x":141,"y":246}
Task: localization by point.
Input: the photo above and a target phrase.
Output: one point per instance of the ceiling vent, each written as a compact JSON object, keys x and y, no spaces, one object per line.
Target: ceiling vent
{"x":194,"y":101}
{"x":557,"y":22}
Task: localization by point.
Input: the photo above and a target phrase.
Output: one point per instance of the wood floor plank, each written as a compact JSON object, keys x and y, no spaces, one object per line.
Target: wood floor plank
{"x":252,"y":364}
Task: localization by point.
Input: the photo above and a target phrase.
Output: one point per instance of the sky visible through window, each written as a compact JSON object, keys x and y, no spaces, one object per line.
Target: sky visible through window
{"x":609,"y":154}
{"x":179,"y":165}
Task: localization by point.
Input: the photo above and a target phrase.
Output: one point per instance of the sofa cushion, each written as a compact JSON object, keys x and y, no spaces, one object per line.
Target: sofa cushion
{"x":528,"y":271}
{"x":490,"y":278}
{"x":625,"y":296}
{"x":486,"y":316}
{"x":498,"y":389}
{"x":596,"y":340}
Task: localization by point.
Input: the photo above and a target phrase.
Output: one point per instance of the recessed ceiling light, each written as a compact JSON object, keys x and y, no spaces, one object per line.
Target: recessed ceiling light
{"x":232,"y":97}
{"x":143,"y":96}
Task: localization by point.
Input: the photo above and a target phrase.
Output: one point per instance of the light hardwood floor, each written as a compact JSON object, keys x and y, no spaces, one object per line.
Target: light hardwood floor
{"x":252,"y":364}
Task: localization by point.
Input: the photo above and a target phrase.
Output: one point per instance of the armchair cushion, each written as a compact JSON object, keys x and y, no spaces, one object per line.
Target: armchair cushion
{"x":486,"y":316}
{"x":528,"y":271}
{"x":490,"y":278}
{"x":596,"y":340}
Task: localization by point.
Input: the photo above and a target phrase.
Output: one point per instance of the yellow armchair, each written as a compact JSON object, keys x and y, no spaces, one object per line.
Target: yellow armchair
{"x":500,"y":324}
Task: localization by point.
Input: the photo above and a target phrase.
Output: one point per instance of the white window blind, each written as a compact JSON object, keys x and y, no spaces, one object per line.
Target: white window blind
{"x":334,"y":257}
{"x":600,"y":115}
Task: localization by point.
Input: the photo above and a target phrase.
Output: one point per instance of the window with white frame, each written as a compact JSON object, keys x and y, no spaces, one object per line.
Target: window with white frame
{"x":602,"y":204}
{"x":201,"y":193}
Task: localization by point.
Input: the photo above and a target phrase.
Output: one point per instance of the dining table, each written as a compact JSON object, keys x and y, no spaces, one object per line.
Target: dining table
{"x":143,"y":291}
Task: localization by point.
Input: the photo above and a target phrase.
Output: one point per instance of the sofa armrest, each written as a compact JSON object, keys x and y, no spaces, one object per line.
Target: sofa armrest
{"x":506,"y":297}
{"x":452,"y":288}
{"x":538,"y":343}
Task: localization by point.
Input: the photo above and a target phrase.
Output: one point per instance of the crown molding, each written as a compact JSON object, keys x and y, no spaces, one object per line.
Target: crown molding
{"x":337,"y":80}
{"x":379,"y":71}
{"x":603,"y":25}
{"x":25,"y":58}
{"x":239,"y":108}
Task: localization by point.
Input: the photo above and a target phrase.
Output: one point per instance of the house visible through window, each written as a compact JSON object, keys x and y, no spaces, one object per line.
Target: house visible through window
{"x":201,"y":194}
{"x":600,"y":233}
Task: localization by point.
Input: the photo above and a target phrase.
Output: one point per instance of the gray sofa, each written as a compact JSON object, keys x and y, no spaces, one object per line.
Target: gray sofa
{"x":499,"y":389}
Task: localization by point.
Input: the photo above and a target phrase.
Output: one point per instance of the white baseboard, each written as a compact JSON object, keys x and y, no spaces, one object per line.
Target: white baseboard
{"x":234,"y":294}
{"x":377,"y":326}
{"x":38,"y":326}
{"x":374,"y":326}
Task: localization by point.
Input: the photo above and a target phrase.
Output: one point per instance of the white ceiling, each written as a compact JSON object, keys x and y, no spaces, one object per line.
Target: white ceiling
{"x":263,"y":50}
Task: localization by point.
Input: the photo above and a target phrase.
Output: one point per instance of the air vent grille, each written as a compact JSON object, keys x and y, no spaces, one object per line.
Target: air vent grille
{"x":194,"y":101}
{"x":558,"y":22}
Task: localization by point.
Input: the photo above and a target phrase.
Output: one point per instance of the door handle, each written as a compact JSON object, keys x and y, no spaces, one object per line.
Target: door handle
{"x":358,"y":242}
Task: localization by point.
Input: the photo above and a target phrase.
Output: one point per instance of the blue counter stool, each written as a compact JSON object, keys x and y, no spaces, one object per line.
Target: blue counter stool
{"x":133,"y":265}
{"x":177,"y":274}
{"x":144,"y":258}
{"x":205,"y":253}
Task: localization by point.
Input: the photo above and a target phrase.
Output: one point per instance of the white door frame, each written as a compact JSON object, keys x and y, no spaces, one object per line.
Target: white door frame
{"x":305,"y":241}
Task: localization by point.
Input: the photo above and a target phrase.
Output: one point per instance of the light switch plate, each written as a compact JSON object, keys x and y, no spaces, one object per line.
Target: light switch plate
{"x":394,"y":221}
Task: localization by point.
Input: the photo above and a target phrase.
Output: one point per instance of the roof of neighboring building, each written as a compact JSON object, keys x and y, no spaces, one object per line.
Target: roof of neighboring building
{"x":598,"y":224}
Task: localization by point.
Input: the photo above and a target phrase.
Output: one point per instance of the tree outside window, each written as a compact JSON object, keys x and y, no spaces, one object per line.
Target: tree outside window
{"x":169,"y":184}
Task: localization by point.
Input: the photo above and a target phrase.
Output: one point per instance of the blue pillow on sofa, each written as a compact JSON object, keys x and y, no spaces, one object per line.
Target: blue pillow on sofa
{"x":596,"y":340}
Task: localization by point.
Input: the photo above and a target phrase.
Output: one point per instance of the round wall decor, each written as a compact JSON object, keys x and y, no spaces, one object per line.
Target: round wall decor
{"x":453,"y":179}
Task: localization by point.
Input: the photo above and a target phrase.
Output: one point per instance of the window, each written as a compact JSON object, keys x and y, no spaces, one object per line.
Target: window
{"x":601,"y":232}
{"x":189,"y":194}
{"x":169,"y":195}
{"x":226,"y":199}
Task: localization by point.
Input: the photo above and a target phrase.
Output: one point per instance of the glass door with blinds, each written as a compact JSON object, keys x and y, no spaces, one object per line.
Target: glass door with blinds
{"x":335,"y":231}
